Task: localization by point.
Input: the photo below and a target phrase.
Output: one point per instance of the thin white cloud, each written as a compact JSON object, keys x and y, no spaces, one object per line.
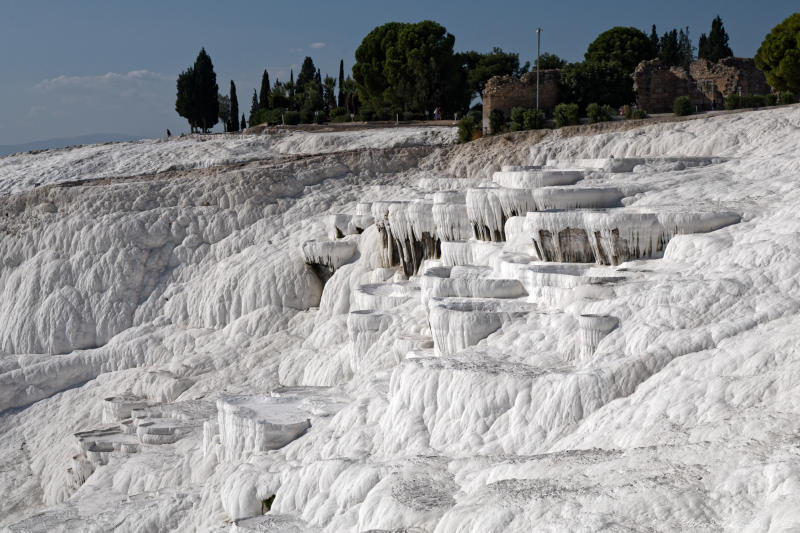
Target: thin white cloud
{"x":316,"y":45}
{"x":140,"y":77}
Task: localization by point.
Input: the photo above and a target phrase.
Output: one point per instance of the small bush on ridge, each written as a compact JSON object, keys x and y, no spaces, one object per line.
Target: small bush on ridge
{"x":682,"y":106}
{"x":566,"y":115}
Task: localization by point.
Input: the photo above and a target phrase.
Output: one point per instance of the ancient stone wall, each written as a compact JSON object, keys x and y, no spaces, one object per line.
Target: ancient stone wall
{"x":507,"y":92}
{"x":704,"y":83}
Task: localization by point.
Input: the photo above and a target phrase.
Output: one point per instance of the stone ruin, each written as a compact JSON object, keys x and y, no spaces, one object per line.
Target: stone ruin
{"x":504,"y":93}
{"x":657,"y":85}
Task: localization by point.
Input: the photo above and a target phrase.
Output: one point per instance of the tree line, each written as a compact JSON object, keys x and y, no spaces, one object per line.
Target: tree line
{"x":407,"y":70}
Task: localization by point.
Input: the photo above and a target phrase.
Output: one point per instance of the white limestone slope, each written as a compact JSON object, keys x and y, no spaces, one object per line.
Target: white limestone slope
{"x":323,"y":344}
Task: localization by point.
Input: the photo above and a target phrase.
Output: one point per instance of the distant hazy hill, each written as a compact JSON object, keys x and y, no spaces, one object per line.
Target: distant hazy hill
{"x":7,"y":149}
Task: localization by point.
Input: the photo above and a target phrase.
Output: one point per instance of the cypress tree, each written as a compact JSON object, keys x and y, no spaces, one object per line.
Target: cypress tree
{"x":234,"y":109}
{"x":185,"y":103}
{"x":307,"y":73}
{"x":264,"y":95}
{"x":685,"y":50}
{"x":654,"y":41}
{"x":718,"y":41}
{"x":254,"y":107}
{"x":668,"y":48}
{"x":244,"y":124}
{"x":340,"y":102}
{"x":318,"y":79}
{"x":702,"y":47}
{"x":205,"y":91}
{"x":291,"y":89}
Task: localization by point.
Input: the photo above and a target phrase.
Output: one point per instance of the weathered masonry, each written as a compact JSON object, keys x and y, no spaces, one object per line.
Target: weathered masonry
{"x":657,"y":85}
{"x":504,"y":93}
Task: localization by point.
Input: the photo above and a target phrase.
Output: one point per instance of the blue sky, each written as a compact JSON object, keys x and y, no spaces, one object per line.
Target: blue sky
{"x":83,"y":67}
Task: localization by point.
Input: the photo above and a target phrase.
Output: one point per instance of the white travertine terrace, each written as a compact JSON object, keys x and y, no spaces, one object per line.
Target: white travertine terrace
{"x":170,"y":362}
{"x":535,"y":178}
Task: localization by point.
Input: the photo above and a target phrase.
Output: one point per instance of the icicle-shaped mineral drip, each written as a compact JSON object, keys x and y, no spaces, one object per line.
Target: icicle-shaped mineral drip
{"x":489,"y":208}
{"x":450,"y":216}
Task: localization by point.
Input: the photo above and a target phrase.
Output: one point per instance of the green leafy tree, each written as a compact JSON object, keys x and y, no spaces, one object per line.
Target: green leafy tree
{"x":715,"y":46}
{"x":234,"y":108}
{"x":604,"y":83}
{"x":551,"y":61}
{"x":410,"y":67}
{"x":263,"y":97}
{"x":779,"y":56}
{"x":482,"y":67}
{"x":624,"y":46}
{"x":340,"y":101}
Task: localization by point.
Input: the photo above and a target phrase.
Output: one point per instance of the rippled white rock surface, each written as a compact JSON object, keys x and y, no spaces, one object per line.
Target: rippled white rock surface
{"x":168,"y":360}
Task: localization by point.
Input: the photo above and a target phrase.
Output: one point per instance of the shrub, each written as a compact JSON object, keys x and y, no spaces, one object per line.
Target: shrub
{"x":566,"y":115}
{"x":533,"y":119}
{"x":639,"y":114}
{"x":259,"y":117}
{"x":496,"y":121}
{"x":787,"y":97}
{"x":756,"y":100}
{"x":291,"y":118}
{"x":465,"y":128}
{"x":596,"y":113}
{"x":682,"y":106}
{"x":627,"y":111}
{"x":477,"y":115}
{"x":732,"y":101}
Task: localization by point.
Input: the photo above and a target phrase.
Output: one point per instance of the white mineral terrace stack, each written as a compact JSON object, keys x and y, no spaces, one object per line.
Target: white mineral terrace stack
{"x":488,"y":208}
{"x":250,"y":424}
{"x":457,"y":323}
{"x":414,"y":231}
{"x":117,"y":408}
{"x":591,"y":330}
{"x":467,"y":282}
{"x":528,"y":178}
{"x":627,"y":164}
{"x":383,"y":296}
{"x":363,"y":217}
{"x":364,"y":329}
{"x":326,"y":256}
{"x":450,"y":216}
{"x":614,"y":236}
{"x":605,"y":237}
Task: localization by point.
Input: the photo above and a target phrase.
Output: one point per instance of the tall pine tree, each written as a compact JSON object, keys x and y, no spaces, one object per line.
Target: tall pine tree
{"x":668,"y":48}
{"x":244,"y":124}
{"x":234,"y":108}
{"x":264,"y":94}
{"x":340,"y":101}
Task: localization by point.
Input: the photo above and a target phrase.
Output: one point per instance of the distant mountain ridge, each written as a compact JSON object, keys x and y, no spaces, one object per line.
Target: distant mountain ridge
{"x":61,"y":142}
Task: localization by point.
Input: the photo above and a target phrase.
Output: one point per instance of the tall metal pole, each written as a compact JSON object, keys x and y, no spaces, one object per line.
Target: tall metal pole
{"x":538,"y":53}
